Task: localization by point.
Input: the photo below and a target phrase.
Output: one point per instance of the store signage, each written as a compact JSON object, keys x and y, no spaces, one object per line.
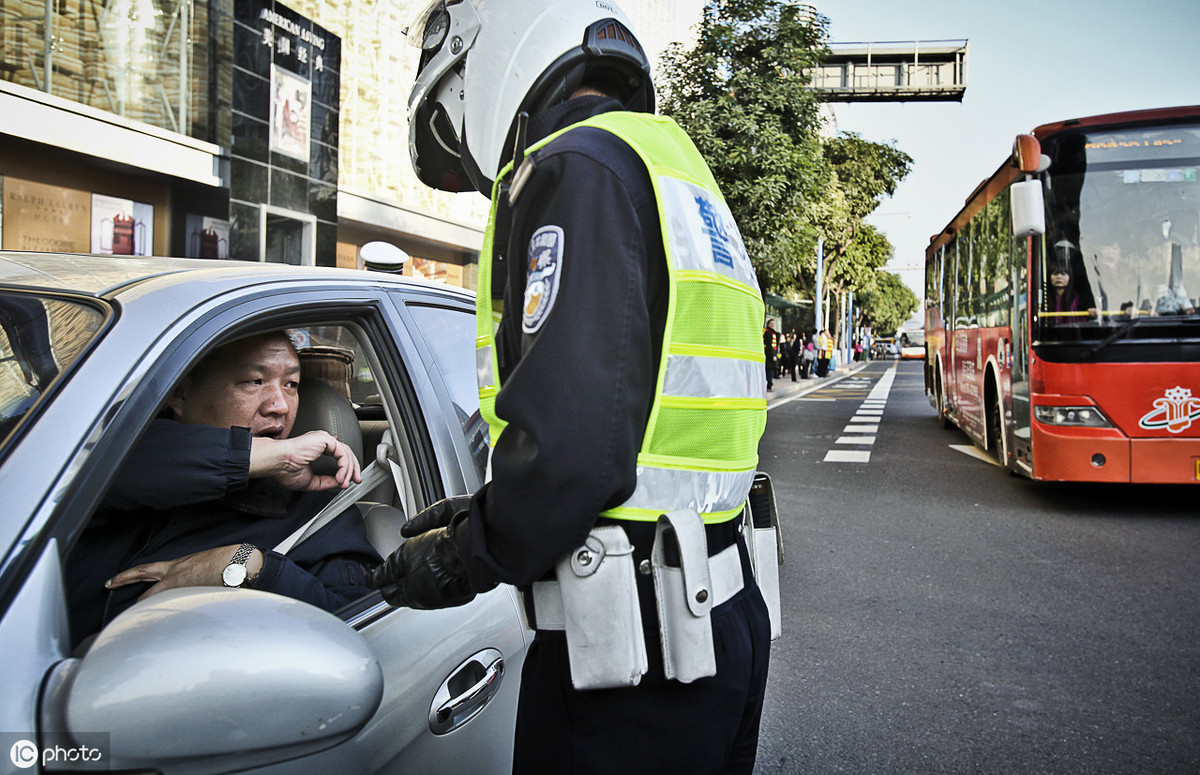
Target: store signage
{"x":45,"y":218}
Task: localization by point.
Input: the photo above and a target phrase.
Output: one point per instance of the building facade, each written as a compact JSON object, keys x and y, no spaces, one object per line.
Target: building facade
{"x":245,"y":129}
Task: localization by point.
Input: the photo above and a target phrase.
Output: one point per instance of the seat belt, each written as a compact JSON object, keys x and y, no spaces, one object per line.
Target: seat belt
{"x":372,"y":476}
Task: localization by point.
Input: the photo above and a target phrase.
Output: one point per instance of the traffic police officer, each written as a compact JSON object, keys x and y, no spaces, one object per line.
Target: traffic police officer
{"x":624,"y":388}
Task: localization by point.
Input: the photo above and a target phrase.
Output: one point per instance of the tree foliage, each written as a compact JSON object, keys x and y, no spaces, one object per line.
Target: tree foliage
{"x":888,"y":304}
{"x":742,"y":95}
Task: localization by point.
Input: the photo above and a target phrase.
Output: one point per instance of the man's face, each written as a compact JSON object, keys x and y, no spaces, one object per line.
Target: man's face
{"x":250,"y":383}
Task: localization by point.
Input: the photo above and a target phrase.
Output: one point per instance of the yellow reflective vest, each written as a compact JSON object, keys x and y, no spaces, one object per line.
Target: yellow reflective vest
{"x":700,"y":447}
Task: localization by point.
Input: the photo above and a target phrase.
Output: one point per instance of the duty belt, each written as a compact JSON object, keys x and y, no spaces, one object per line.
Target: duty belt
{"x":725,"y":578}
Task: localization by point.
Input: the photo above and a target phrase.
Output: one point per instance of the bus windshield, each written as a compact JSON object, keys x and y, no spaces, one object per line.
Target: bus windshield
{"x":1122,"y":248}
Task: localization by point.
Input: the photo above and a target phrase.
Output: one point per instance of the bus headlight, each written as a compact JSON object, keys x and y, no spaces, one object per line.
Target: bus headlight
{"x":1080,"y":416}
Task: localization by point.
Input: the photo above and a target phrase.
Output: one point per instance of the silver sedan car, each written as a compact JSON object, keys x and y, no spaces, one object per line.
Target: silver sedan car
{"x":215,"y":680}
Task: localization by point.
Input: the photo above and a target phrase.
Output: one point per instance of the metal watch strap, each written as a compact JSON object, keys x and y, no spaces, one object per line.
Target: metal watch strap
{"x":242,"y":554}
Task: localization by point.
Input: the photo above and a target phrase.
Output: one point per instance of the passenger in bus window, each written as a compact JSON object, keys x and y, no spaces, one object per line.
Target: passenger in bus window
{"x":1067,"y":297}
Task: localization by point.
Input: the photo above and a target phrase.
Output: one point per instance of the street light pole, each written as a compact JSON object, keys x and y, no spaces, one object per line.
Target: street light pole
{"x":818,"y":295}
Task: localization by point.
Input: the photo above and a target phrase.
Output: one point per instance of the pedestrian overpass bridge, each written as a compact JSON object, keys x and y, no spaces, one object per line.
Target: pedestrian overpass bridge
{"x":893,"y":71}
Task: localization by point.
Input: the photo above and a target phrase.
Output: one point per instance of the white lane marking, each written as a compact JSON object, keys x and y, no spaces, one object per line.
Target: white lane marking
{"x":970,"y":450}
{"x":878,"y":395}
{"x":884,"y":385}
{"x":847,"y":456}
{"x":852,"y":428}
{"x":828,"y":400}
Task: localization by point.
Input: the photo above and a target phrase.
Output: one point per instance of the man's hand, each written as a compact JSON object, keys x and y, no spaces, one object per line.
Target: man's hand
{"x":202,"y":569}
{"x":287,"y":461}
{"x":426,"y":571}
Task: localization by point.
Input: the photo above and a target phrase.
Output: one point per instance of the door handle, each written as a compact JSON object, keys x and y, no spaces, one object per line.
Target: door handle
{"x":465,"y":693}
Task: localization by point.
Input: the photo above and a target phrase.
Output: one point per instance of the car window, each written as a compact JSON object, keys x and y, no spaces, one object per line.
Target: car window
{"x":450,"y":334}
{"x":344,"y":388}
{"x":39,"y":338}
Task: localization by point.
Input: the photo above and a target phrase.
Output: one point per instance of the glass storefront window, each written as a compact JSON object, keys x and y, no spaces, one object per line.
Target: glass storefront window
{"x":146,"y":60}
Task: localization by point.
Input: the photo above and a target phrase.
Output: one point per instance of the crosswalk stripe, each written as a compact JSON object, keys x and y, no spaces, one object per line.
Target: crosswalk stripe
{"x":866,"y":420}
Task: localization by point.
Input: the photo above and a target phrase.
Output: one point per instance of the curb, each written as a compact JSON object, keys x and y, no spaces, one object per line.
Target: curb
{"x":783,"y":397}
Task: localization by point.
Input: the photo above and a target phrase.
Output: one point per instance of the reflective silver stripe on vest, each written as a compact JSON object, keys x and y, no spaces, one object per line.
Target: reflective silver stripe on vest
{"x":711,"y":377}
{"x":483,"y":367}
{"x":693,"y":214}
{"x":705,"y":492}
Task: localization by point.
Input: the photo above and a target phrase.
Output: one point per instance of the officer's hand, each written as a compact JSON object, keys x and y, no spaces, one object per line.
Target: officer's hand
{"x":437,"y":515}
{"x":425,"y":572}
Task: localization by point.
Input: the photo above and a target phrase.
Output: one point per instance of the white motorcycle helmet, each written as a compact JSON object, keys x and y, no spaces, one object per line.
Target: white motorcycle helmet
{"x":483,"y":62}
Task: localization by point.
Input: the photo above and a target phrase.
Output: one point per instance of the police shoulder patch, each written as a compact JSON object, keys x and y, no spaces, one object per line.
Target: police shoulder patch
{"x":543,"y":272}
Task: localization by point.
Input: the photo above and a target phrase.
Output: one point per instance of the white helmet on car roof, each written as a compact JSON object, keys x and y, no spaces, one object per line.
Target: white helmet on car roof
{"x":483,"y":62}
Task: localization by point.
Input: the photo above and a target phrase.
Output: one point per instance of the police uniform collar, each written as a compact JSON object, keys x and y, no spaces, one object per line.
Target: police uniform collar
{"x":570,"y":112}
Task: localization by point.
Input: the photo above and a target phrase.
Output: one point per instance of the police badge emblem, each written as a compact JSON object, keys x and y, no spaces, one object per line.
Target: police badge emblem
{"x":542,"y":275}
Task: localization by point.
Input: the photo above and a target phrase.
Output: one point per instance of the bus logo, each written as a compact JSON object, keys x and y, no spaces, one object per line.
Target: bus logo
{"x":1175,"y":411}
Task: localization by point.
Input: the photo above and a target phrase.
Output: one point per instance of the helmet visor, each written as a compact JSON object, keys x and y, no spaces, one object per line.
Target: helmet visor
{"x":415,"y":31}
{"x":444,"y":31}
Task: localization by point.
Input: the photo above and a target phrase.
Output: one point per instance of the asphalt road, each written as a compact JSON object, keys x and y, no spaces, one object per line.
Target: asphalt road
{"x":941,"y":616}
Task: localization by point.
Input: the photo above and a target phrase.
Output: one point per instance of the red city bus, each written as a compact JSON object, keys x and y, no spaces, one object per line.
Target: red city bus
{"x":1060,"y":335}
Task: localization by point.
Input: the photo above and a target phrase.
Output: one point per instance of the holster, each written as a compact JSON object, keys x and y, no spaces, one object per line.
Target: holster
{"x":765,"y":544}
{"x":594,"y":599}
{"x":684,"y":593}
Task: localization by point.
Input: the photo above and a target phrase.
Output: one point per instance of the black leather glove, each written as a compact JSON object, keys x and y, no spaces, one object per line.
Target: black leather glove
{"x":435,"y":516}
{"x":427,"y":570}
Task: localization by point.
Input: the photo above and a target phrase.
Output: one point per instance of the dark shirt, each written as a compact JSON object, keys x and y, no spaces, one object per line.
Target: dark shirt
{"x":577,"y":393}
{"x":185,"y":489}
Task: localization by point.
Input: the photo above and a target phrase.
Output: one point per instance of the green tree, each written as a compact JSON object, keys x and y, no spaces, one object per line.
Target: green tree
{"x":887,"y":304}
{"x":864,"y":173}
{"x":742,"y":94}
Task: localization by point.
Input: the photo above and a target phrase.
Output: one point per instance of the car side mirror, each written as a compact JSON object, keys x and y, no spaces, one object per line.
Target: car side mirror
{"x":210,"y":680}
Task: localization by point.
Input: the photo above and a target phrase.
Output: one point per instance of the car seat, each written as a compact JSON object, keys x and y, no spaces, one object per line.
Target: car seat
{"x":323,"y":407}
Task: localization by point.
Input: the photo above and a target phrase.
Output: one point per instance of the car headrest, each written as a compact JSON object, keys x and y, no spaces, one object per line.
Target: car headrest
{"x":323,"y":408}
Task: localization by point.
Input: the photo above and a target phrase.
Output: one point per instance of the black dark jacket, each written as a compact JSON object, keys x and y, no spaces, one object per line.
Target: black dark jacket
{"x":577,"y":393}
{"x":185,"y":489}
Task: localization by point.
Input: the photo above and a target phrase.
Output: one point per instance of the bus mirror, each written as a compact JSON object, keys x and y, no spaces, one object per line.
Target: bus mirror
{"x":1027,"y":154}
{"x":1028,"y":209}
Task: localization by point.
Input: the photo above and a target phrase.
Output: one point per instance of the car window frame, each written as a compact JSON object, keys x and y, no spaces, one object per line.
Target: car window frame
{"x":106,"y":444}
{"x":466,"y":460}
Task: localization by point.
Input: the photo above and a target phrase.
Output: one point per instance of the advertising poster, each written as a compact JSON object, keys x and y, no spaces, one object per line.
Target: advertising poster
{"x":121,"y":227}
{"x":291,"y":101}
{"x":45,"y":218}
{"x":207,"y":237}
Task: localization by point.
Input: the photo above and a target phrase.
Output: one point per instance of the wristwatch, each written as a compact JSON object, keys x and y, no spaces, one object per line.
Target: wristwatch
{"x":234,"y":574}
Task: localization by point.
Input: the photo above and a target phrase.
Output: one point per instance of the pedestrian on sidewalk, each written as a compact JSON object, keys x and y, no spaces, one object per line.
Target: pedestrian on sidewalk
{"x":825,"y":353}
{"x":791,"y":350}
{"x":770,"y":346}
{"x":807,"y":358}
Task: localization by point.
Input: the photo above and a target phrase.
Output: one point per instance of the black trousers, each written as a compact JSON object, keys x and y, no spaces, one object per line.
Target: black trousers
{"x":658,"y":726}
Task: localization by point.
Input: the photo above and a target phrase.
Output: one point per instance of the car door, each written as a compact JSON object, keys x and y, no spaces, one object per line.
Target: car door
{"x":447,"y":679}
{"x":477,"y":650}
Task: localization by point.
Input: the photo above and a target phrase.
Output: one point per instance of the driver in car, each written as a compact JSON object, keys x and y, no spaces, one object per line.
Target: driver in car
{"x":205,"y":495}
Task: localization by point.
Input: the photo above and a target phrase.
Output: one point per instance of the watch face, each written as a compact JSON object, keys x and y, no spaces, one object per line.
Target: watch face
{"x":233,"y":575}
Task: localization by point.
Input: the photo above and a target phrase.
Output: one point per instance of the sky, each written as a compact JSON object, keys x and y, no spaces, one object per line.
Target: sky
{"x":1029,"y":62}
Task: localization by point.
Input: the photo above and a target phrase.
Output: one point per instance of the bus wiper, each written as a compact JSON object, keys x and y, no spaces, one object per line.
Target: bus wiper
{"x":1114,"y":336}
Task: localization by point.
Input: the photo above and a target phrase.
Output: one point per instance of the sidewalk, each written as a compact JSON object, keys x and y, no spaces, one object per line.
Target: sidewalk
{"x":785,"y":388}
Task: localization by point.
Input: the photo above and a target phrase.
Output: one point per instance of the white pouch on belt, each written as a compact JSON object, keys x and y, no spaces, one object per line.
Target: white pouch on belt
{"x":601,"y":616}
{"x":683,"y":590}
